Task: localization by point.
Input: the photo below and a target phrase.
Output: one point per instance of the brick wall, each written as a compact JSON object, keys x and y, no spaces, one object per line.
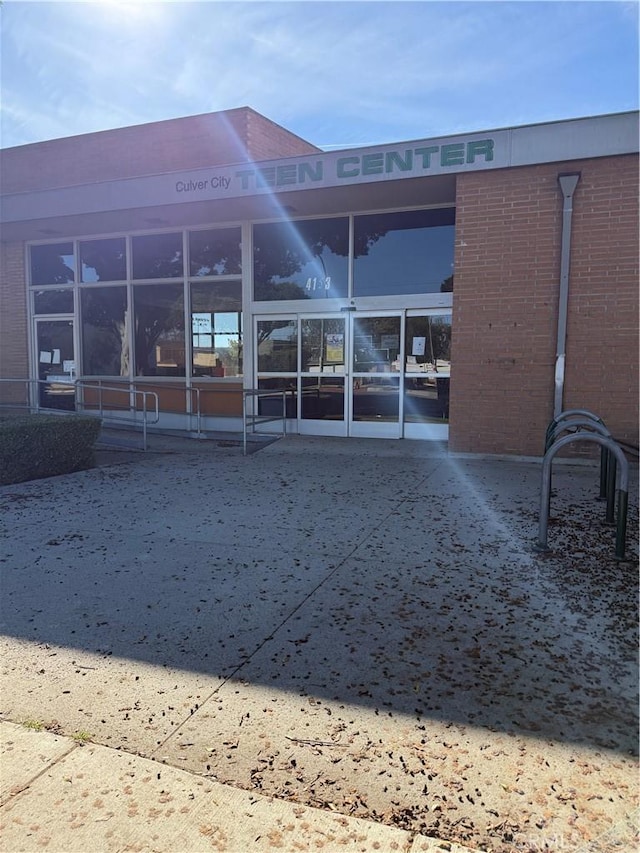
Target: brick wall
{"x":508,"y":232}
{"x":13,"y":320}
{"x":193,"y":142}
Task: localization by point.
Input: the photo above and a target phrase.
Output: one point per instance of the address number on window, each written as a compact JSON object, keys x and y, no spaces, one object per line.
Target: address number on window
{"x":318,"y":283}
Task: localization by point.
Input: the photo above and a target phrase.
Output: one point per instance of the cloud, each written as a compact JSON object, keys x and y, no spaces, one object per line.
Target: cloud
{"x":333,"y":72}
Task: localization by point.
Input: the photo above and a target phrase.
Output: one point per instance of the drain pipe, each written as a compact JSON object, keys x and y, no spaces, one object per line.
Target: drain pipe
{"x":568,"y":183}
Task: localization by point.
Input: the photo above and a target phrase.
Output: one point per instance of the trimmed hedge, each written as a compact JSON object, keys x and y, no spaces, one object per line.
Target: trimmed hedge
{"x":36,"y":446}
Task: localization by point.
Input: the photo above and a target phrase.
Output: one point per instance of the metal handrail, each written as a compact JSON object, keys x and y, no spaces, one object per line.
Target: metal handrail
{"x":150,"y":415}
{"x":253,"y":418}
{"x":132,"y":393}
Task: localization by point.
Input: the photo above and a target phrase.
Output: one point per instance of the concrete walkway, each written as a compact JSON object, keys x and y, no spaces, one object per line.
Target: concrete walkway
{"x":330,"y":642}
{"x":59,"y":794}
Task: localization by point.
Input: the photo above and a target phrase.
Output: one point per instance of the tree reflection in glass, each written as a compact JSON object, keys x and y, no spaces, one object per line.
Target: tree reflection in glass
{"x":277,"y":346}
{"x":104,"y":324}
{"x":406,"y":252}
{"x":301,"y":260}
{"x":159,"y":330}
{"x":53,"y":263}
{"x":103,"y":260}
{"x":157,"y":256}
{"x":215,"y":252}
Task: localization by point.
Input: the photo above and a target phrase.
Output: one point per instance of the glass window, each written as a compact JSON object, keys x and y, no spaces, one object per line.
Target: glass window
{"x":53,"y":301}
{"x":216,"y":328}
{"x":376,"y":344}
{"x":159,"y":330}
{"x":376,"y":398}
{"x":301,"y":260}
{"x":277,"y":346}
{"x":215,"y":252}
{"x":323,"y":345}
{"x":428,"y":347}
{"x":323,"y":398}
{"x":407,"y":252}
{"x":157,"y":256}
{"x":52,"y":264}
{"x":272,"y":405}
{"x":104,"y":323}
{"x":103,"y":260}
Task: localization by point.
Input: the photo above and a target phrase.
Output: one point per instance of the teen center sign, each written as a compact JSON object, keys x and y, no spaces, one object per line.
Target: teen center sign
{"x":345,"y":167}
{"x":356,"y":166}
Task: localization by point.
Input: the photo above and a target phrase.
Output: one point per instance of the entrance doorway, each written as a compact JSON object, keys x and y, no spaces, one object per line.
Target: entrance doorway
{"x":366,"y":374}
{"x":56,"y":364}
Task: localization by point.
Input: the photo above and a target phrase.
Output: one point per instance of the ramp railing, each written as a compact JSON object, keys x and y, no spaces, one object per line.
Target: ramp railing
{"x":142,"y":406}
{"x":251,"y":419}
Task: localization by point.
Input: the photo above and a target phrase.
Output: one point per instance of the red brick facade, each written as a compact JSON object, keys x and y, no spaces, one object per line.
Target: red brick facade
{"x":13,"y":318}
{"x":235,"y":136}
{"x":507,"y":272}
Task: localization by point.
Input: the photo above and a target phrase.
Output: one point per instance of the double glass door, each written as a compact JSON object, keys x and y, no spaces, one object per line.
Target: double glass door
{"x":364,"y":374}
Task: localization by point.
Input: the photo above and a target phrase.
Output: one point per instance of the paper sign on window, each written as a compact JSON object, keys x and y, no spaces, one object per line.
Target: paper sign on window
{"x":201,"y":323}
{"x":418,"y":346}
{"x":334,"y":344}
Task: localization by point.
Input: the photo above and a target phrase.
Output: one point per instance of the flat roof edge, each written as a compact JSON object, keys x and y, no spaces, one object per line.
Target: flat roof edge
{"x":570,"y":140}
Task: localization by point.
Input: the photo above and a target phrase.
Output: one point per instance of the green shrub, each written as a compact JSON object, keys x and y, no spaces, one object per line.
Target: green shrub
{"x":36,"y":446}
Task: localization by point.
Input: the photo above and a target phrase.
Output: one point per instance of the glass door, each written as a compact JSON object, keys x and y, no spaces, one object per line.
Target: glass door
{"x":323,"y":351}
{"x":276,"y":363}
{"x":376,"y":367}
{"x":427,"y":373}
{"x":56,"y":364}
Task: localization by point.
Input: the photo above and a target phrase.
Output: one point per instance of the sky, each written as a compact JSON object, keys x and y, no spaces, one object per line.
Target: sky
{"x":338,"y":74}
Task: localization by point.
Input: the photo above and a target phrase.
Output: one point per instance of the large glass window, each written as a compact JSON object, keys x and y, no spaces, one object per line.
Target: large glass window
{"x":401,"y":253}
{"x":105,"y":348}
{"x":103,"y":260}
{"x":53,"y":263}
{"x":215,"y":252}
{"x":157,"y":256}
{"x":216,"y":328}
{"x":159,"y":330}
{"x":53,"y":301}
{"x":301,"y":260}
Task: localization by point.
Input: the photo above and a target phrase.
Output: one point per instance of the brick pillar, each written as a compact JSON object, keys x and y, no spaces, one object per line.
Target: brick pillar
{"x":14,"y":361}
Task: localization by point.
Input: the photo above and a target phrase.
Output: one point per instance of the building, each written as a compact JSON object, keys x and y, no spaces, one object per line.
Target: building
{"x":465,"y":287}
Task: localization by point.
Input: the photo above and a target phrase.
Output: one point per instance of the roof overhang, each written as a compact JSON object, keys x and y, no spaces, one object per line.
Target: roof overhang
{"x":404,"y":174}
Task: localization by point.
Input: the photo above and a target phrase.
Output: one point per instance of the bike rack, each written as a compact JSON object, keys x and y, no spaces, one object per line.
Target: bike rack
{"x":604,"y":453}
{"x":607,"y":461}
{"x":623,"y":491}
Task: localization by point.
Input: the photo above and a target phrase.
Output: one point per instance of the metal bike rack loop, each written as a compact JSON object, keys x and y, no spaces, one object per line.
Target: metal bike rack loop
{"x":604,"y":453}
{"x":623,"y":490}
{"x":607,"y":460}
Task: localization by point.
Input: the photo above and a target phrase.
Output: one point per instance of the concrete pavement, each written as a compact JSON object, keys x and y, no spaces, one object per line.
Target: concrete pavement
{"x":350,"y":638}
{"x":59,"y":794}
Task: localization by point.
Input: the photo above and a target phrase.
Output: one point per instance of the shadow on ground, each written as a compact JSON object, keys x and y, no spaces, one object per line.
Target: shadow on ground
{"x":399,"y":582}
